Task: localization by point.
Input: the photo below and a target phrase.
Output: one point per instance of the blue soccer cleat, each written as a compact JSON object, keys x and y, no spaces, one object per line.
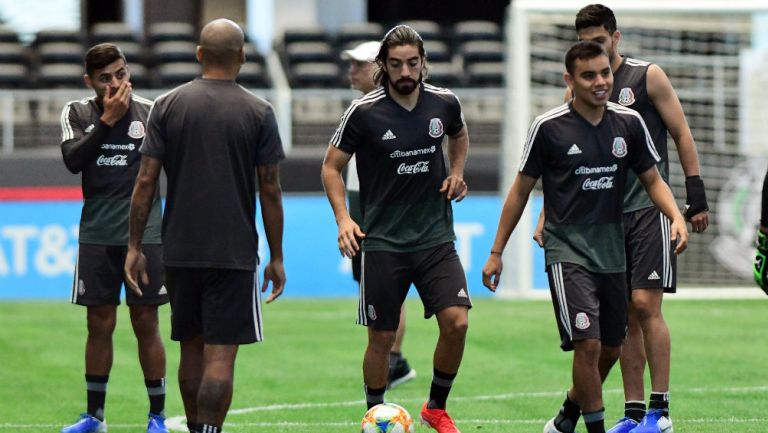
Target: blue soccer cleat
{"x":156,"y":424}
{"x":654,"y":422}
{"x":625,"y":425}
{"x":86,"y":424}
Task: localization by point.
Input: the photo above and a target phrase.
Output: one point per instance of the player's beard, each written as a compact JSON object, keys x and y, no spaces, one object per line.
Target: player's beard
{"x":406,"y":85}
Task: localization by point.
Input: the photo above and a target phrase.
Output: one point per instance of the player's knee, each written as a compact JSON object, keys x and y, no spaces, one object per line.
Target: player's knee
{"x":381,"y":340}
{"x":101,"y":320}
{"x":456,"y":328}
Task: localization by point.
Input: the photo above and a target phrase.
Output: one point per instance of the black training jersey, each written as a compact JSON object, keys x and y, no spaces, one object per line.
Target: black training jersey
{"x":630,"y":90}
{"x":211,"y":135}
{"x":401,"y":167}
{"x":584,"y":169}
{"x":107,"y":181}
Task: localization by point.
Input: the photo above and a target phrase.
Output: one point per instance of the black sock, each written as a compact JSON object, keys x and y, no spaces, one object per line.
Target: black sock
{"x":394,"y":357}
{"x":374,"y":396}
{"x":660,"y":400}
{"x":441,"y":386}
{"x":207,"y":428}
{"x":194,"y":427}
{"x":156,"y":393}
{"x":569,"y":414}
{"x":595,"y":421}
{"x":634,"y":409}
{"x":96,"y":387}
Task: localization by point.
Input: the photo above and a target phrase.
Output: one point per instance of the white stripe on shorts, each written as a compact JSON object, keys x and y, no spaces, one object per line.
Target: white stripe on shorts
{"x":257,"y":308}
{"x":73,"y":295}
{"x":362,"y":319}
{"x":666,"y":256}
{"x":556,"y":269}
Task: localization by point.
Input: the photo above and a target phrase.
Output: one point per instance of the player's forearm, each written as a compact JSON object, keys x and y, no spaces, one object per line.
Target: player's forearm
{"x":689,"y":157}
{"x":458,"y":147}
{"x":513,"y":208}
{"x":271,"y":199}
{"x":78,"y":154}
{"x":141,"y":206}
{"x":335,"y":191}
{"x":662,"y":197}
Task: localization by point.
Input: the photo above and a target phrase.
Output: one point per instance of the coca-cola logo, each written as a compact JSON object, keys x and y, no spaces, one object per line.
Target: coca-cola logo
{"x":419,"y":167}
{"x":605,"y":182}
{"x":112,"y":161}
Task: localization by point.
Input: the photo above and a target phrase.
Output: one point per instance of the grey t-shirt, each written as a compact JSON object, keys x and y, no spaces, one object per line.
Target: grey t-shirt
{"x":210,"y":135}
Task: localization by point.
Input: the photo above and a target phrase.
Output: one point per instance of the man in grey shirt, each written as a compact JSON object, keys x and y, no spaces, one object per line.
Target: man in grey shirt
{"x":212,"y":137}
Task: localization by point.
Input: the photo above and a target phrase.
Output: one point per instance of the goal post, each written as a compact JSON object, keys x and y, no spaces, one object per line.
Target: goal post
{"x":698,"y":44}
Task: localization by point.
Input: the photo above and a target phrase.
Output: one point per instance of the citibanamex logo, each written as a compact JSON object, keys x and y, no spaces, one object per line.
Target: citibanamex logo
{"x":419,"y":167}
{"x":112,"y":161}
{"x":605,"y":182}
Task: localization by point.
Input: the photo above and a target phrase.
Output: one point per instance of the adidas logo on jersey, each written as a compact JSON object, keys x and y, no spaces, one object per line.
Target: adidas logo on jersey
{"x":462,"y":293}
{"x":654,"y":276}
{"x":574,"y":150}
{"x":388,"y":135}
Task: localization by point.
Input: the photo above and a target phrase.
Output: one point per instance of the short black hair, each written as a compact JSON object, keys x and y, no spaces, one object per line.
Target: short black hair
{"x":582,"y":50}
{"x":596,"y":15}
{"x":101,"y":55}
{"x":395,"y":37}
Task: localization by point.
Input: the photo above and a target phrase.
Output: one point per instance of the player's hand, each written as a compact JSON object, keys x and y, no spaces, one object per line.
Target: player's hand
{"x":679,"y":235}
{"x":350,"y":237}
{"x":538,"y":234}
{"x":699,"y":222}
{"x":492,"y":271}
{"x":116,"y":103}
{"x":696,"y":206}
{"x":275,"y":272}
{"x":454,"y":188}
{"x":135,"y":267}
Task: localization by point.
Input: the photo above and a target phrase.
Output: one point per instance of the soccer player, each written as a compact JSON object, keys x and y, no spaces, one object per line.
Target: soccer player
{"x":213,"y":138}
{"x":406,"y":236}
{"x":584,"y":151}
{"x":362,"y":60}
{"x":100,"y":138}
{"x":651,"y":269}
{"x":759,"y":269}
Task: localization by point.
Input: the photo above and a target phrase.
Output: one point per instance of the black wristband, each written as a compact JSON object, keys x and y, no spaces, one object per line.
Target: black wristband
{"x":697,"y":197}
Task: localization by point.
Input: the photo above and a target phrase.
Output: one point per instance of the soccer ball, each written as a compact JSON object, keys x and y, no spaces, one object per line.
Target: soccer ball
{"x":387,"y":418}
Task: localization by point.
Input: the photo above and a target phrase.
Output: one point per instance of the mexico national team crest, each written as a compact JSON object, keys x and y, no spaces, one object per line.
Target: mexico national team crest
{"x":619,"y":149}
{"x":626,"y":97}
{"x":582,"y":321}
{"x":435,"y":128}
{"x":136,"y":129}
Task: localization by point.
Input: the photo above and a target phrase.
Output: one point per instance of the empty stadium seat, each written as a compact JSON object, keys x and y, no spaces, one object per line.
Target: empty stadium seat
{"x":60,"y":75}
{"x":13,"y":76}
{"x":174,"y":51}
{"x":13,"y":52}
{"x":437,"y":51}
{"x":306,"y":34}
{"x":485,"y":74}
{"x":429,"y":30}
{"x":300,"y":52}
{"x":252,"y":75}
{"x":477,"y":30}
{"x":252,"y":54}
{"x":60,"y":52}
{"x":482,"y":51}
{"x":359,"y":32}
{"x":170,"y":31}
{"x":8,"y":34}
{"x":325,"y":74}
{"x":442,"y":74}
{"x":115,"y":32}
{"x":173,"y":74}
{"x":133,"y":51}
{"x":139,"y":76}
{"x":58,"y":35}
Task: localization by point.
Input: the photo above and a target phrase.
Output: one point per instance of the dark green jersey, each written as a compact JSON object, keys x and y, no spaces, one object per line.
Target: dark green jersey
{"x":401,"y":167}
{"x":109,"y":160}
{"x":584,"y":170}
{"x":630,"y":90}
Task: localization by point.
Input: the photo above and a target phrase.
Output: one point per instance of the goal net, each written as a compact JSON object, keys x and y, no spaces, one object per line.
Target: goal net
{"x":709,"y":51}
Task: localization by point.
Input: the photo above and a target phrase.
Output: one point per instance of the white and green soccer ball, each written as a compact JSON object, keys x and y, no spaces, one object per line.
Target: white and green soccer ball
{"x":387,"y":418}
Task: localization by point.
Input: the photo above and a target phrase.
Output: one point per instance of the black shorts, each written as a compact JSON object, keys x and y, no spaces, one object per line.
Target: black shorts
{"x":436,"y":273}
{"x":588,"y":305}
{"x":651,"y":259}
{"x":354,"y":212}
{"x":222,"y":305}
{"x":99,"y":276}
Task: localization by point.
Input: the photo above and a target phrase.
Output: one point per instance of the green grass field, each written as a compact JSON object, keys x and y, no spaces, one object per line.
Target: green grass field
{"x":306,"y":376}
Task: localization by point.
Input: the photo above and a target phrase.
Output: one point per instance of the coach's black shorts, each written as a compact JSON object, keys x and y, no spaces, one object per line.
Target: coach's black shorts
{"x":222,"y":305}
{"x":588,"y":305}
{"x":436,"y":273}
{"x":651,"y":259}
{"x":99,"y":276}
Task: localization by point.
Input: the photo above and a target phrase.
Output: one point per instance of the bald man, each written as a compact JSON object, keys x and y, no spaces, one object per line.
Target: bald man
{"x":212,"y":137}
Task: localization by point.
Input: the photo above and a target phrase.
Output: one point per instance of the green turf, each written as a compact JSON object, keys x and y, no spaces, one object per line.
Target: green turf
{"x":306,"y":376}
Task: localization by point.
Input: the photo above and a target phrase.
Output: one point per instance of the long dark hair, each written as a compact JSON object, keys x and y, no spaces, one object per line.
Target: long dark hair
{"x":397,"y":36}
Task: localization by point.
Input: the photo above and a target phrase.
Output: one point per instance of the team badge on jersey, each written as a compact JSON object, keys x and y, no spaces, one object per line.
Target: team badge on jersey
{"x":582,"y":321}
{"x":619,"y":149}
{"x":626,"y":97}
{"x":136,"y":129}
{"x":435,"y":128}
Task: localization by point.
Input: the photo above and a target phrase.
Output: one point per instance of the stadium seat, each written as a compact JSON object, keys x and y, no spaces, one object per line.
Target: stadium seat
{"x":173,"y":74}
{"x":477,"y":30}
{"x":482,"y":51}
{"x":133,"y":51}
{"x":139,"y":76}
{"x":442,"y":74}
{"x":300,"y":52}
{"x":437,"y":51}
{"x":359,"y":32}
{"x":57,"y":35}
{"x":116,"y":32}
{"x":67,"y":75}
{"x":429,"y":30}
{"x":318,"y":74}
{"x":306,"y":34}
{"x":252,"y":54}
{"x":485,"y":74}
{"x":13,"y":76}
{"x":170,"y":31}
{"x":8,"y":34}
{"x":174,"y":51}
{"x":252,"y":74}
{"x":13,"y":52}
{"x":60,"y":52}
